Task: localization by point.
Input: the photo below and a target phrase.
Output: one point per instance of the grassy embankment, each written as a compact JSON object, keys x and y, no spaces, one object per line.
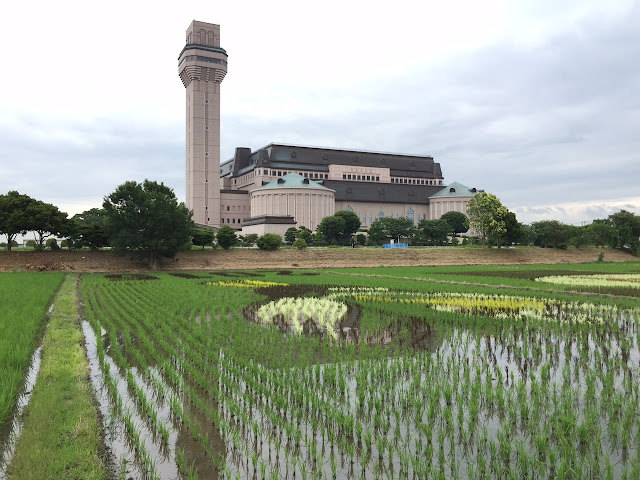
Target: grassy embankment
{"x":61,"y":436}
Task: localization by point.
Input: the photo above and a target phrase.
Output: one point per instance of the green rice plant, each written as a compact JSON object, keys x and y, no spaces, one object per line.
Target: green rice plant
{"x":24,"y":300}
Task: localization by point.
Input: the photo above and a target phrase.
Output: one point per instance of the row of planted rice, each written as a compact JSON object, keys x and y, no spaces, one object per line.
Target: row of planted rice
{"x":295,"y":376}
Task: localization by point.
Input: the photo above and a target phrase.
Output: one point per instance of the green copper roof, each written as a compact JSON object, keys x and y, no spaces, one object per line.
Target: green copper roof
{"x":456,"y":189}
{"x":293,"y":180}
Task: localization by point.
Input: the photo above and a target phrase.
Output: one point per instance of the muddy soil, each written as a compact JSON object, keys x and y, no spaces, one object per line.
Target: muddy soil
{"x":243,"y":258}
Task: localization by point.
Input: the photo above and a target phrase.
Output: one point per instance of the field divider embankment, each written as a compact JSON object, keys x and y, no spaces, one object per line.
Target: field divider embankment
{"x":487,"y":285}
{"x":62,"y":387}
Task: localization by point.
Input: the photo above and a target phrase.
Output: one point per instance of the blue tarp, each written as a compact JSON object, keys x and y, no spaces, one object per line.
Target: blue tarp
{"x":395,"y":245}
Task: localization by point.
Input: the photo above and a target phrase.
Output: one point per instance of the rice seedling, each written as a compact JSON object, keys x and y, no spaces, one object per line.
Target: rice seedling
{"x":497,"y":386}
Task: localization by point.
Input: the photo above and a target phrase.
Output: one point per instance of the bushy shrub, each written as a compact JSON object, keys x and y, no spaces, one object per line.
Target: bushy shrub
{"x":31,"y":243}
{"x":52,"y":244}
{"x":269,"y":241}
{"x":300,"y":244}
{"x":362,"y":239}
{"x":563,"y":245}
{"x":226,"y":237}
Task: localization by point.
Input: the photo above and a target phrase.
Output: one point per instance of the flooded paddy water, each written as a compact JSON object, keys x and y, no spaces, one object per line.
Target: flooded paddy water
{"x":418,"y":393}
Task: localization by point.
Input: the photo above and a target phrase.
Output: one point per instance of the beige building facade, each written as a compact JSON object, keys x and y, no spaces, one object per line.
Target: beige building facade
{"x":281,"y":185}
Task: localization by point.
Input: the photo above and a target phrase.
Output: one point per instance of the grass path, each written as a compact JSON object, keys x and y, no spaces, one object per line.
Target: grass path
{"x":61,"y":438}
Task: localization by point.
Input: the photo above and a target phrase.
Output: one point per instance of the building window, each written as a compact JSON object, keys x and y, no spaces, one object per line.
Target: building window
{"x":228,"y":208}
{"x":206,"y":128}
{"x":358,"y":177}
{"x":279,"y":173}
{"x":349,"y":209}
{"x":368,"y":177}
{"x":370,"y":218}
{"x":344,"y":176}
{"x":238,"y":220}
{"x":326,"y":176}
{"x":349,"y":177}
{"x":410,"y":215}
{"x":305,"y":174}
{"x":206,"y":102}
{"x":206,"y":154}
{"x":265,"y":172}
{"x":234,"y":220}
{"x":380,"y":214}
{"x":377,"y":179}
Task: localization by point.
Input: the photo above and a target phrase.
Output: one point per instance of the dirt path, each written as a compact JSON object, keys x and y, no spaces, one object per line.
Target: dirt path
{"x":242,"y":258}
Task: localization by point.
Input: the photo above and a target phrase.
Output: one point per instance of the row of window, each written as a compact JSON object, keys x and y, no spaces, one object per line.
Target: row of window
{"x":365,"y":178}
{"x":233,"y":220}
{"x":410,"y":214}
{"x":416,"y":181}
{"x":233,"y":208}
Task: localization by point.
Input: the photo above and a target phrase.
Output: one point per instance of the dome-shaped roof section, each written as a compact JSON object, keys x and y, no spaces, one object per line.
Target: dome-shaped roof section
{"x":293,"y":180}
{"x":456,"y":189}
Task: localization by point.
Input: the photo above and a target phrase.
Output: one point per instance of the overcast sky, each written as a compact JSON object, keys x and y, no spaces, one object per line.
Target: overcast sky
{"x":535,"y":101}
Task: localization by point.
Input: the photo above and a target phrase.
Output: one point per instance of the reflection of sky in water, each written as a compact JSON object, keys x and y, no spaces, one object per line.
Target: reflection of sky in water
{"x":510,"y":358}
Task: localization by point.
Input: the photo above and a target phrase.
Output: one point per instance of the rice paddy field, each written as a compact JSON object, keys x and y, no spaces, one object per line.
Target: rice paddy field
{"x":23,"y":309}
{"x":425,"y":372}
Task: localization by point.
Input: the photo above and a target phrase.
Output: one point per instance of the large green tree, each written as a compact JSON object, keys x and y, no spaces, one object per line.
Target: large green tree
{"x":434,"y":232}
{"x":226,"y":237}
{"x":146,"y":220}
{"x":627,"y":230}
{"x":397,"y":227}
{"x":203,"y":237}
{"x":46,"y":221}
{"x":89,"y":229}
{"x":351,"y":222}
{"x":549,"y":233}
{"x":14,"y":218}
{"x":486,"y":215}
{"x":376,"y":233}
{"x":458,"y":222}
{"x":331,"y":228}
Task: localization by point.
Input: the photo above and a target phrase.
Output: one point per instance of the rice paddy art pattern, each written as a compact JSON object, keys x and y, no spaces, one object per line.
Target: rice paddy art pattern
{"x":325,"y":376}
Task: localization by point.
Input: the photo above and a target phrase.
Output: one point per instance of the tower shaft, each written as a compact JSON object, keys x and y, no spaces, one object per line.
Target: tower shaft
{"x":202,"y":67}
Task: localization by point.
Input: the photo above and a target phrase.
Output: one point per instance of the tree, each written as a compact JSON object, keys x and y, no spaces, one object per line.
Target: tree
{"x":46,"y":220}
{"x":458,"y":222}
{"x":397,"y":227}
{"x":627,"y":229}
{"x":549,"y":233}
{"x":14,"y":219}
{"x":249,"y":240}
{"x":512,"y":232}
{"x":89,"y":229}
{"x":290,"y":235}
{"x":351,"y":222}
{"x":602,"y":233}
{"x":146,"y":220}
{"x":435,"y":232}
{"x":226,"y":237}
{"x":305,"y":234}
{"x":377,"y":234}
{"x":269,"y":241}
{"x":331,"y":228}
{"x":486,"y":215}
{"x":203,"y":237}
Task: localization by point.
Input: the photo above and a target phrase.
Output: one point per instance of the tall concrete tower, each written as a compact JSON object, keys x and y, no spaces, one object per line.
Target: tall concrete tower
{"x":202,"y":67}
